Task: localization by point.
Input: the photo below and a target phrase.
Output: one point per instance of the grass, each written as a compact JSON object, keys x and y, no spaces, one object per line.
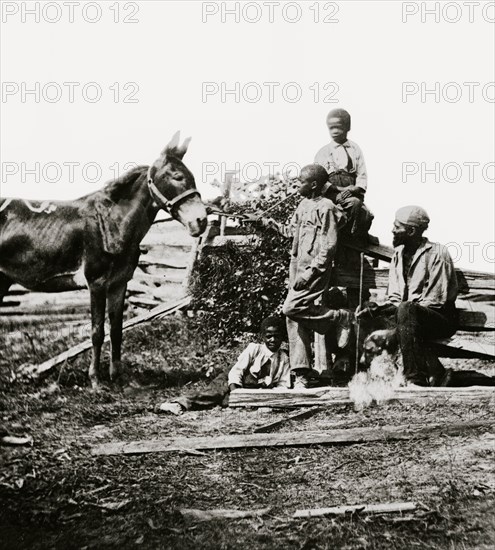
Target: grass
{"x":56,"y":495}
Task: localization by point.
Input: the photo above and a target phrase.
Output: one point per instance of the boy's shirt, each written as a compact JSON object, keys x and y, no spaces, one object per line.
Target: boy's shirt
{"x":333,"y":157}
{"x":314,"y":227}
{"x":264,"y":367}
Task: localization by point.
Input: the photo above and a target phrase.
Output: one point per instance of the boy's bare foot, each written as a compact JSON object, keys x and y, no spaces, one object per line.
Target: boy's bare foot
{"x":344,"y":328}
{"x":170,"y":408}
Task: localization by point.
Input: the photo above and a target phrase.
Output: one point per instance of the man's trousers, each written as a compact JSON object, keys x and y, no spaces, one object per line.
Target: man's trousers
{"x":416,"y":325}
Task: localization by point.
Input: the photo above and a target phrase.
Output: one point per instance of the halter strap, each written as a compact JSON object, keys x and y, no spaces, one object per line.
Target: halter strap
{"x":161,"y":200}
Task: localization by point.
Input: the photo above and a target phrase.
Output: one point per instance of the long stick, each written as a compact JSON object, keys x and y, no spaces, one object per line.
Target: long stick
{"x":240,"y":216}
{"x":358,"y":330}
{"x":277,"y":203}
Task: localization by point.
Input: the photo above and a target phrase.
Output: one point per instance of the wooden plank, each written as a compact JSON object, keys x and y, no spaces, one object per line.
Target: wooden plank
{"x":49,"y":303}
{"x":379,"y":251}
{"x":8,"y":304}
{"x":171,"y":248}
{"x":48,"y":310}
{"x":330,"y":396}
{"x":476,"y":315}
{"x":143,"y":301}
{"x":298,"y":416}
{"x":327,"y":437}
{"x":469,"y":344}
{"x":469,"y":281}
{"x":19,"y":291}
{"x":14,"y":322}
{"x":144,"y":261}
{"x":157,"y":312}
{"x":135,"y":287}
{"x":241,"y":240}
{"x":221,"y":513}
{"x":229,"y":231}
{"x":387,"y":508}
{"x":372,"y":277}
{"x":159,"y":279}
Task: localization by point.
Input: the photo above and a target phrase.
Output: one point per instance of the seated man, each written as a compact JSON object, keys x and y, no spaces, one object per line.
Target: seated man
{"x":422,"y":289}
{"x":259,"y":366}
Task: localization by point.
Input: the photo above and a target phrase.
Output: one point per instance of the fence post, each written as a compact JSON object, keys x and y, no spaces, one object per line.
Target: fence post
{"x":226,"y":188}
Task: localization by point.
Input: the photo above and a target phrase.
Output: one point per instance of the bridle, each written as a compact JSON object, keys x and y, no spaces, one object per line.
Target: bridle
{"x":161,"y":200}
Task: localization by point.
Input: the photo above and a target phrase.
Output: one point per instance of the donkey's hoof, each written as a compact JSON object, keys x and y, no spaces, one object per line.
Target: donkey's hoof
{"x":97,"y":386}
{"x":115,"y":372}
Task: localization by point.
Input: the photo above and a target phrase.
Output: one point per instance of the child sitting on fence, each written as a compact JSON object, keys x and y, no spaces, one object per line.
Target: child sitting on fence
{"x":260,"y":366}
{"x":347,"y":176}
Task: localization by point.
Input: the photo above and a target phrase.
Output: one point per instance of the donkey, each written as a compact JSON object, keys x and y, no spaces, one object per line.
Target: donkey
{"x":93,"y":242}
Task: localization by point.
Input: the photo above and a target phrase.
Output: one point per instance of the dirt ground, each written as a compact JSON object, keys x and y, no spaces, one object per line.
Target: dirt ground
{"x":55,"y":494}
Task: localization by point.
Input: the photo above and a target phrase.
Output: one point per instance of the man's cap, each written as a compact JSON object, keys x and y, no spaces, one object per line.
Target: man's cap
{"x":272,"y":322}
{"x":343,"y":114}
{"x":413,"y":215}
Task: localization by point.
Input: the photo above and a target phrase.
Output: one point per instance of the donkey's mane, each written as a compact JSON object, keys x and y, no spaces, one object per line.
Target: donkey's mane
{"x":119,"y":186}
{"x":126,"y":179}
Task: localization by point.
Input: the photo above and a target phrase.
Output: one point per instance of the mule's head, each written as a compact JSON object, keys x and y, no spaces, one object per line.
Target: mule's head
{"x":172,"y":186}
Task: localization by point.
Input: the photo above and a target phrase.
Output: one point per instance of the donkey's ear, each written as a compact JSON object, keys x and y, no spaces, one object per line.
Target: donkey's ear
{"x":172,"y":145}
{"x":182,"y":150}
{"x":174,"y":149}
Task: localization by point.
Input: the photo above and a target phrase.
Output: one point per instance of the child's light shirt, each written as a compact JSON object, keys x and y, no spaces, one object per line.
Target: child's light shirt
{"x":333,"y":157}
{"x":254,"y":359}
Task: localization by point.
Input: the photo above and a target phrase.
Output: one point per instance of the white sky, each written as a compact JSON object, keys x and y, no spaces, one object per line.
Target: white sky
{"x":170,"y":52}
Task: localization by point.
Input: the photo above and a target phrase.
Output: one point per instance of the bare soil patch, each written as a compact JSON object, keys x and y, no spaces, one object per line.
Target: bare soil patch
{"x":54,"y":494}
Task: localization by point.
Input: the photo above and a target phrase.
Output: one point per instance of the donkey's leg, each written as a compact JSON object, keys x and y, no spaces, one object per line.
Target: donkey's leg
{"x":116,"y":299}
{"x":97,"y":332}
{"x":5,"y":284}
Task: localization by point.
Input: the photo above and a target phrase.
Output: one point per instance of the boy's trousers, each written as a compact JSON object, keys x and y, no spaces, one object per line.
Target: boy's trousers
{"x":304,"y":316}
{"x":212,"y":395}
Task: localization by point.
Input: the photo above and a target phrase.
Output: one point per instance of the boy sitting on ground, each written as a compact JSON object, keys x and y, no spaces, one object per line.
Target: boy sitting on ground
{"x":259,"y":366}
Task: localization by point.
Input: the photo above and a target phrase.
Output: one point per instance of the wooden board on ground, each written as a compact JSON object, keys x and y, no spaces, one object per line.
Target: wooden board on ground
{"x":158,"y":312}
{"x":387,"y":508}
{"x":298,"y":416}
{"x":222,"y":513}
{"x":328,"y":437}
{"x":340,"y":396}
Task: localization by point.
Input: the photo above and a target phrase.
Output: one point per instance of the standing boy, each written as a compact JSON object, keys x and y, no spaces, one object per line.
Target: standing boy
{"x":314,"y":229}
{"x":347,"y":179}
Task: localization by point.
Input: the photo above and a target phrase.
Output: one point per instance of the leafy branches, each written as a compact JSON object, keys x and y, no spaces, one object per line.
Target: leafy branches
{"x":236,"y":286}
